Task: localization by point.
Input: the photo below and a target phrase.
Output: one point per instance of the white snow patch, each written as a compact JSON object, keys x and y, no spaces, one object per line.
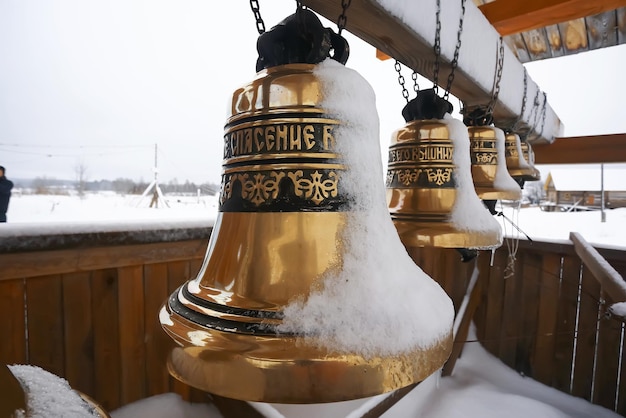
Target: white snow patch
{"x":468,"y":213}
{"x":619,"y":310}
{"x":521,"y":161}
{"x":167,"y":405}
{"x":503,"y":180}
{"x":359,"y":309}
{"x":48,"y":395}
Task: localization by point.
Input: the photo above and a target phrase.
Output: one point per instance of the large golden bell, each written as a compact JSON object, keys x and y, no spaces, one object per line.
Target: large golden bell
{"x":422,"y":189}
{"x":491,"y":178}
{"x":517,"y":160}
{"x":278,"y":232}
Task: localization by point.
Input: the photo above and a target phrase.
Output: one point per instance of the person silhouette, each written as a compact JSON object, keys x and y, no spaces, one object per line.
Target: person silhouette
{"x":5,"y":194}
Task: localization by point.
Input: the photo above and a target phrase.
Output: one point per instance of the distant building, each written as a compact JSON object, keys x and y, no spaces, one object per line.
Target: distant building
{"x":580,"y":188}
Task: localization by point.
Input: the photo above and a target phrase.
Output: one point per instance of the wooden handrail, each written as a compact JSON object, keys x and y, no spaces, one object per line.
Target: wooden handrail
{"x":612,"y":282}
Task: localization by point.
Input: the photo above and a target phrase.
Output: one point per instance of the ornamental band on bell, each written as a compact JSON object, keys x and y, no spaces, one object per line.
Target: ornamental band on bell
{"x":428,"y":164}
{"x":286,"y":162}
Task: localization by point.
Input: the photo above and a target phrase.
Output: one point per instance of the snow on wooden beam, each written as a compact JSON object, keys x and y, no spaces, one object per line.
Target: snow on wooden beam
{"x":582,"y":149}
{"x":406,"y":31}
{"x":514,"y":16}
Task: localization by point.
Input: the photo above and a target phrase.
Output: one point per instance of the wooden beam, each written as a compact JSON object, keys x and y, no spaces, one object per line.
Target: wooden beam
{"x":514,"y":16}
{"x":405,"y":31}
{"x":582,"y":149}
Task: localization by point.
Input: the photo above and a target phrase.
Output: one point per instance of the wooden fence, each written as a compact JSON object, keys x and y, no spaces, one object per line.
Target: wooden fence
{"x":543,"y":313}
{"x":89,"y":314}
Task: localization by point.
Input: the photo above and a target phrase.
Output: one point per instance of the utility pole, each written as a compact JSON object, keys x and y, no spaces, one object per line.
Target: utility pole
{"x":157,"y":195}
{"x":602,"y":213}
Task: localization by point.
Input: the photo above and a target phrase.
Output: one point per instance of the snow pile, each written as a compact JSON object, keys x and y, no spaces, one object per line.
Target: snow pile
{"x":167,"y":405}
{"x":619,"y":310}
{"x":503,"y":180}
{"x":468,"y":213}
{"x":359,"y":309}
{"x":48,"y":395}
{"x":520,"y":154}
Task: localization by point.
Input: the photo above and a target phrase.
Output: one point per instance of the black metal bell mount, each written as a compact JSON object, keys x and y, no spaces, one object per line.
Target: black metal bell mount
{"x":300,"y":39}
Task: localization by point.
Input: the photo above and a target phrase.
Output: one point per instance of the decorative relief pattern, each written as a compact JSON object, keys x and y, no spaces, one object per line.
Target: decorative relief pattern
{"x":488,"y":158}
{"x":408,"y":177}
{"x":439,"y":176}
{"x":263,"y":187}
{"x":314,"y":188}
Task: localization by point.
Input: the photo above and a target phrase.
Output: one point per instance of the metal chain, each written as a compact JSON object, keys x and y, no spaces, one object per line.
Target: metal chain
{"x":457,"y":49}
{"x":343,"y":19}
{"x":405,"y":92}
{"x":416,"y":87}
{"x":260,"y":26}
{"x":498,"y":77}
{"x":543,"y":112}
{"x":534,"y":113}
{"x":437,"y":48}
{"x":515,"y":126}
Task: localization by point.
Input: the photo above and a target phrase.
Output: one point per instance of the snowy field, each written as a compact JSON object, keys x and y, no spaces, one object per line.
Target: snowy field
{"x":481,"y":387}
{"x":106,"y":208}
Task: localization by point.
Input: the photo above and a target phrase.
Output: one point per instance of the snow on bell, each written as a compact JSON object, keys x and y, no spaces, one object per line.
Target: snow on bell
{"x":430,"y":193}
{"x":517,"y":161}
{"x":529,"y":156}
{"x":492,"y":180}
{"x":306,"y":294}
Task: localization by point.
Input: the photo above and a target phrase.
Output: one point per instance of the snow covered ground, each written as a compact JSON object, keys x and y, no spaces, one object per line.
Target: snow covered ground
{"x":109,"y":207}
{"x":482,"y":386}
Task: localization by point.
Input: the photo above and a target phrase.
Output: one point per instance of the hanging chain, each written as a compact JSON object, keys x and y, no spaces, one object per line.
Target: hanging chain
{"x":437,"y":48}
{"x":497,"y":77}
{"x":405,"y":92}
{"x":343,"y":19}
{"x":260,"y":26}
{"x":534,"y":113}
{"x":416,"y":87}
{"x":543,"y":112}
{"x":457,"y":49}
{"x":515,"y":126}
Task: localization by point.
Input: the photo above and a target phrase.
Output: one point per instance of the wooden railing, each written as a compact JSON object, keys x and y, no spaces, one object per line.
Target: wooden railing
{"x":88,"y":312}
{"x":543,"y":313}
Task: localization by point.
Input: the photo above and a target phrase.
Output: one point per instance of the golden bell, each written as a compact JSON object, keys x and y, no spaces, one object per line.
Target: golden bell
{"x":491,"y":178}
{"x":277,"y":235}
{"x":422,"y":188}
{"x":517,"y":162}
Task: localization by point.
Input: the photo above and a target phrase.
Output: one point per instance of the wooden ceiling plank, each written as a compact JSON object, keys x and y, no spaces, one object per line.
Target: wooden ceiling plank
{"x":514,"y":16}
{"x":582,"y":150}
{"x":602,"y":30}
{"x":409,"y":39}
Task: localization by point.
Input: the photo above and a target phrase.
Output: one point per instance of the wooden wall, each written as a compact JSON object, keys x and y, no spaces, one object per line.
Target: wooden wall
{"x":97,"y":327}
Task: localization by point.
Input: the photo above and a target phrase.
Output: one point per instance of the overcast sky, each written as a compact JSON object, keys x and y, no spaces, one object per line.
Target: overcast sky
{"x":99,"y":83}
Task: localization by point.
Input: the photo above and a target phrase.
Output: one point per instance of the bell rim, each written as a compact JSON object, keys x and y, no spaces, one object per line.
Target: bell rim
{"x":253,"y":368}
{"x":444,"y":235}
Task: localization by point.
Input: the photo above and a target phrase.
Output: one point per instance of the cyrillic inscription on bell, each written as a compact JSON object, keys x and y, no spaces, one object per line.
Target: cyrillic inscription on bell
{"x":284,"y":161}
